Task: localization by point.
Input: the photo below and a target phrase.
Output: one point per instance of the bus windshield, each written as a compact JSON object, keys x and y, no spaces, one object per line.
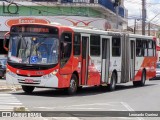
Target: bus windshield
{"x":33,"y":49}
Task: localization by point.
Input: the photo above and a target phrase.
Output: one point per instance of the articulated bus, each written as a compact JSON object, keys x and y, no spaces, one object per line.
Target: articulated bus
{"x":57,"y":56}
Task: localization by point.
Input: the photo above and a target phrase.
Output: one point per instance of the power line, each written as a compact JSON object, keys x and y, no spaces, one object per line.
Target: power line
{"x":31,"y":7}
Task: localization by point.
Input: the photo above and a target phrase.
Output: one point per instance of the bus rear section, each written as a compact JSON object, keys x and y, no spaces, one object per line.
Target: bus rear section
{"x":142,"y":58}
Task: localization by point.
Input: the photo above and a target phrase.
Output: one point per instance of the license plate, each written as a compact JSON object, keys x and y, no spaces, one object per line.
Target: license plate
{"x":28,"y":81}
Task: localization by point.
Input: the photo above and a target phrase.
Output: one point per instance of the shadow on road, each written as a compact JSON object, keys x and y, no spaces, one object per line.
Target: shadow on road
{"x":83,"y":92}
{"x":155,"y":79}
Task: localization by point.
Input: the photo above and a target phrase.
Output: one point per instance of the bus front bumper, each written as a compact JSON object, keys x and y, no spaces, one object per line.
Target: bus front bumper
{"x":49,"y":80}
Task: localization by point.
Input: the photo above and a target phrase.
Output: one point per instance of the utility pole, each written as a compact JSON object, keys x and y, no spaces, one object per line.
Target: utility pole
{"x":135,"y":26}
{"x":149,"y":27}
{"x":116,"y":4}
{"x":143,"y":16}
{"x":117,"y":11}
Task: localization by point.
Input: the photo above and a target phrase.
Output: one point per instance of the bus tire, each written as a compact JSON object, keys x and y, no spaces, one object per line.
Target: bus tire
{"x":73,"y":85}
{"x":112,"y":85}
{"x":135,"y":83}
{"x":143,"y":79}
{"x":142,"y":82}
{"x":28,"y":89}
{"x":79,"y":88}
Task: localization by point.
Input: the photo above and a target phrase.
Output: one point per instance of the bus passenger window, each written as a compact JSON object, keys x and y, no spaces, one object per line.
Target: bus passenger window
{"x":77,"y":42}
{"x":95,"y":45}
{"x":139,"y":48}
{"x":116,"y":46}
{"x":150,"y":48}
{"x":145,"y":48}
{"x":154,"y":48}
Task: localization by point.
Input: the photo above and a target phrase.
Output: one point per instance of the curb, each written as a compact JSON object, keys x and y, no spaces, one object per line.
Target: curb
{"x":13,"y":88}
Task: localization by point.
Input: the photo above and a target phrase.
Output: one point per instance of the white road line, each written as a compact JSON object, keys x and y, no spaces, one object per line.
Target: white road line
{"x":109,"y":104}
{"x":66,"y":118}
{"x":124,"y":118}
{"x":8,"y":102}
{"x":92,"y":107}
{"x":11,"y":103}
{"x":85,"y":108}
{"x":49,"y":108}
{"x":130,"y":109}
{"x":127,"y":106}
{"x":117,"y":109}
{"x":81,"y":105}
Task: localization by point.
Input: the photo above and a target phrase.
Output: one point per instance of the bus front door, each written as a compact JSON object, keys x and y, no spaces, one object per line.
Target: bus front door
{"x":85,"y":59}
{"x":105,"y":58}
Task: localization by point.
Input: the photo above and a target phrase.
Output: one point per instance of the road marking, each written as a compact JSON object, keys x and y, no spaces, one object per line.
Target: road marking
{"x":114,"y":104}
{"x":123,"y":118}
{"x":127,"y":106}
{"x":2,"y":103}
{"x":117,"y":106}
{"x":110,"y":104}
{"x":66,"y":118}
{"x":130,"y":109}
{"x":8,"y":102}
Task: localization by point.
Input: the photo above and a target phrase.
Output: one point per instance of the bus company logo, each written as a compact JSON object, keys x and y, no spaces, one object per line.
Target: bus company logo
{"x":39,"y":73}
{"x":10,"y":22}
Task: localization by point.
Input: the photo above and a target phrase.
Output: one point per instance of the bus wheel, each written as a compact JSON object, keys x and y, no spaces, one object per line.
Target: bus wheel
{"x":112,"y":84}
{"x":142,"y":82}
{"x":73,"y":85}
{"x":143,"y":79}
{"x":79,"y":88}
{"x":28,"y":89}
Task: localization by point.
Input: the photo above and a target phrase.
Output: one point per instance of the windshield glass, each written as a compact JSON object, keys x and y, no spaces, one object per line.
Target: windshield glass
{"x":33,"y":50}
{"x":158,"y":65}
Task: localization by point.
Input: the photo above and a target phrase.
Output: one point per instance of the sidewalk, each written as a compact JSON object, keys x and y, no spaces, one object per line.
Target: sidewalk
{"x":6,"y":87}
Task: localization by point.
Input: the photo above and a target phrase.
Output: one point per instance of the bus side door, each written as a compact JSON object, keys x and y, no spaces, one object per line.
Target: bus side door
{"x":132,"y":59}
{"x":85,"y":58}
{"x":105,"y":58}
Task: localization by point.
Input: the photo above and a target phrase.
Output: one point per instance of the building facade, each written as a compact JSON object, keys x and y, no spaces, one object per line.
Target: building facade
{"x":99,"y":14}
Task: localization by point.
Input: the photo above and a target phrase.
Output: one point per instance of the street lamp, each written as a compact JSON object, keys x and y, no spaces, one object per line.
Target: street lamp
{"x":135,"y":25}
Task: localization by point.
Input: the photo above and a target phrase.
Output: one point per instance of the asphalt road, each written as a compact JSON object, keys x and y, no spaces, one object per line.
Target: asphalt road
{"x":125,"y":98}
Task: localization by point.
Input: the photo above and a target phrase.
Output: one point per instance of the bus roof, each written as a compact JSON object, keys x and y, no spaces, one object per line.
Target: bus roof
{"x":90,"y":30}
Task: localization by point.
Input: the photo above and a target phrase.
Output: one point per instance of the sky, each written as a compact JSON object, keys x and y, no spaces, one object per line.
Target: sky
{"x":135,"y":10}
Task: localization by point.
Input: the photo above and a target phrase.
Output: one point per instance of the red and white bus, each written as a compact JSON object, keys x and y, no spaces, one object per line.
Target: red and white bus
{"x":57,"y":56}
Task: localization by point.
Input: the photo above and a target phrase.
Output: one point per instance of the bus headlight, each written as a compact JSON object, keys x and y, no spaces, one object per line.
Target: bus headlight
{"x":50,"y":75}
{"x":55,"y":72}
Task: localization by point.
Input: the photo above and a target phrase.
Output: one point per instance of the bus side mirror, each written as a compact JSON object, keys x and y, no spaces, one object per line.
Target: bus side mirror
{"x":6,"y":41}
